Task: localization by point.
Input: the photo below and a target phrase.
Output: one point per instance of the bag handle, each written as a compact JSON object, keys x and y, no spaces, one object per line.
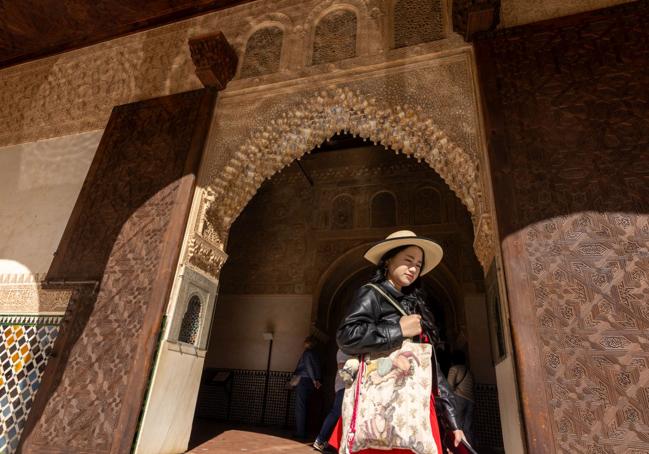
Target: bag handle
{"x":352,"y":425}
{"x":389,"y":298}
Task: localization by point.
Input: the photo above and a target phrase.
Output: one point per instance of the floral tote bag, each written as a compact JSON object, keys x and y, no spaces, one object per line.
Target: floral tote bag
{"x":387,"y":405}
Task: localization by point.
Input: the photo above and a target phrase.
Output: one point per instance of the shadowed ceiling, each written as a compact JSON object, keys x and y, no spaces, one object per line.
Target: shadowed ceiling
{"x":31,"y":29}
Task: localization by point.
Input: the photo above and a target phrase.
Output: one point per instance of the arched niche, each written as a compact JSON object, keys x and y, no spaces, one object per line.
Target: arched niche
{"x":383,"y":209}
{"x":335,"y":37}
{"x":263,"y":52}
{"x":191,"y":322}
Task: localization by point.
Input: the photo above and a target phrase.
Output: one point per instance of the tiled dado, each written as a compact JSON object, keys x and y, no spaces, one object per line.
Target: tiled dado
{"x":25,"y":343}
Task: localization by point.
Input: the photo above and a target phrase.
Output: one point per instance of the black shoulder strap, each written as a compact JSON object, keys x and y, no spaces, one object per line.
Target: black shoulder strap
{"x":391,"y":300}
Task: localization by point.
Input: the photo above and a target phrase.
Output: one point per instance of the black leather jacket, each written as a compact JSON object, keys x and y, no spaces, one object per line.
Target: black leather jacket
{"x":372,"y":325}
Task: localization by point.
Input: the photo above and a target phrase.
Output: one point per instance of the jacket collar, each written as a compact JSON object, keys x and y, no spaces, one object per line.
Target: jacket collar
{"x":386,"y":285}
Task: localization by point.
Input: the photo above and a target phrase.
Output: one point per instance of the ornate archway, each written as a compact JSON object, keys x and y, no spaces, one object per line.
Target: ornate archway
{"x":294,"y":133}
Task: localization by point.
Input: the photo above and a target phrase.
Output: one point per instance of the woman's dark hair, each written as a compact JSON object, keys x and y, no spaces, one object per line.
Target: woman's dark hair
{"x":414,"y":300}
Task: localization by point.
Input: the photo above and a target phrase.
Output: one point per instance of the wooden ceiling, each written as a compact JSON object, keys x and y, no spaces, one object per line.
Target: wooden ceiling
{"x":31,"y":29}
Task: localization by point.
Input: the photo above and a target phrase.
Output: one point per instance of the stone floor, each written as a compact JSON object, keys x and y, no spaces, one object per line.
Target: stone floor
{"x":232,"y":441}
{"x":209,"y":438}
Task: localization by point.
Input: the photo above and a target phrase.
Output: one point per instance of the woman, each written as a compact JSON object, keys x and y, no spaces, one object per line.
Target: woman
{"x":374,"y":325}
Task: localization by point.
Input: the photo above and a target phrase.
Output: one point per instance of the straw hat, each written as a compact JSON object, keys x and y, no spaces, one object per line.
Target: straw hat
{"x":432,"y":251}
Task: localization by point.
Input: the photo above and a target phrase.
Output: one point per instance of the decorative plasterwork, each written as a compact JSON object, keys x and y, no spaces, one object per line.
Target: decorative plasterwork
{"x":205,"y":255}
{"x":297,"y":129}
{"x":75,"y":92}
{"x":297,"y":132}
{"x":484,"y":243}
{"x":22,"y":294}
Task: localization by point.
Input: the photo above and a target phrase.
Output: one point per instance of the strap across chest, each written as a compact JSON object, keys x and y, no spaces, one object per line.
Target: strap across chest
{"x":391,"y":300}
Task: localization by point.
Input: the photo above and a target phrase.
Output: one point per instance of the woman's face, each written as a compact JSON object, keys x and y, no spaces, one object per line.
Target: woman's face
{"x":405,"y":266}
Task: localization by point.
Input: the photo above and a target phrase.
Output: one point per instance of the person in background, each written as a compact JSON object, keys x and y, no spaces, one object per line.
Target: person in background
{"x":330,"y":421}
{"x":308,"y":369}
{"x":460,"y":380}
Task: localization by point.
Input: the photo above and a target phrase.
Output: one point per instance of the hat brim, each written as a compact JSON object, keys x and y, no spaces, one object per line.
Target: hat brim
{"x":432,"y":251}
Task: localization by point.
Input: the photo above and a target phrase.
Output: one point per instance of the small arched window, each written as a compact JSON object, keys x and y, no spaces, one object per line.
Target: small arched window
{"x":263,"y":51}
{"x":335,"y":37}
{"x":384,"y":210}
{"x":191,"y":321}
{"x":418,"y":21}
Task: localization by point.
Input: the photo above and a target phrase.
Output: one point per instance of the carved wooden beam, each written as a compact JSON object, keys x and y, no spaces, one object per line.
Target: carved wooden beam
{"x":473,"y":16}
{"x":215,"y":60}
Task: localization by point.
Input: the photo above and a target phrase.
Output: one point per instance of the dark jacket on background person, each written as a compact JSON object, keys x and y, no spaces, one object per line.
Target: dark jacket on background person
{"x":309,"y":365}
{"x":372,"y":325}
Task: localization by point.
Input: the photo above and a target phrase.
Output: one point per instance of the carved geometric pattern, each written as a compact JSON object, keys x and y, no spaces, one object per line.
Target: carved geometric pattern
{"x":342,"y":212}
{"x":205,"y":256}
{"x":191,"y":321}
{"x":263,"y":51}
{"x":133,"y":197}
{"x":418,"y":21}
{"x":31,"y":298}
{"x":25,"y":346}
{"x":428,"y":206}
{"x":335,"y":37}
{"x":576,"y":129}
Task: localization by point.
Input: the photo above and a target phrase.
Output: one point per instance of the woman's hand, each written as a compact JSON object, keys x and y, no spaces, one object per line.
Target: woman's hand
{"x":410,"y":325}
{"x":458,"y":436}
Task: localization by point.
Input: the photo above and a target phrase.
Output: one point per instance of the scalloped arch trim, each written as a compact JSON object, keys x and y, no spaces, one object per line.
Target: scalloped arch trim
{"x":295,"y":133}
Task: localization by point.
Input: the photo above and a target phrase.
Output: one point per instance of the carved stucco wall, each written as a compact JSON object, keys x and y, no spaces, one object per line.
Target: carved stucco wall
{"x":420,"y":100}
{"x":291,"y":232}
{"x":263,"y":51}
{"x":335,"y":37}
{"x":418,"y":21}
{"x":256,"y":133}
{"x":75,"y":91}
